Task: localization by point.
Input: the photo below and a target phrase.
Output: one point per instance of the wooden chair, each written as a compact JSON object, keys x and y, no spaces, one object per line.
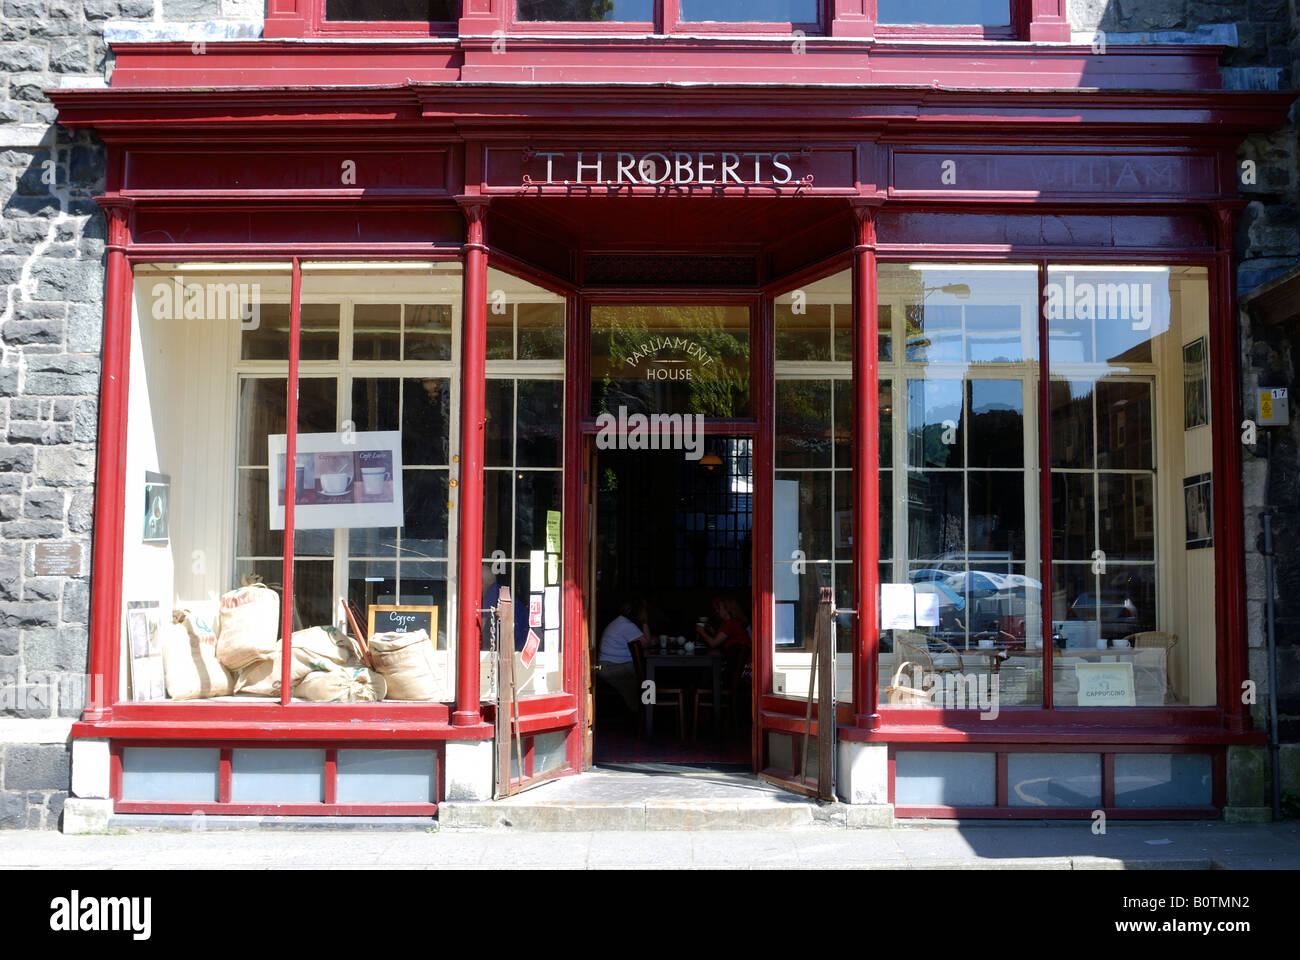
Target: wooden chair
{"x":1157,"y":640}
{"x":915,"y":647}
{"x":734,"y":675}
{"x":664,"y":696}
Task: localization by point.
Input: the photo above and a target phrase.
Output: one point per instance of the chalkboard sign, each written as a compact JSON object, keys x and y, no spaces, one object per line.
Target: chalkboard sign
{"x":385,"y":618}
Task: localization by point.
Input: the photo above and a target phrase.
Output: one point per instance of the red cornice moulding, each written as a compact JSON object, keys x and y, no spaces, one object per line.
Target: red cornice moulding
{"x":610,"y":56}
{"x":523,"y":112}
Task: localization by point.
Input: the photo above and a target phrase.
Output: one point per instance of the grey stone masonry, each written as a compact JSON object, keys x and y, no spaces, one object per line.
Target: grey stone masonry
{"x":51,"y":324}
{"x":51,"y":315}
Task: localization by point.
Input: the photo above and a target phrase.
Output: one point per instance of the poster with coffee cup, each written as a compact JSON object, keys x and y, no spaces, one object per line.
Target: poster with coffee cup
{"x":339,"y":480}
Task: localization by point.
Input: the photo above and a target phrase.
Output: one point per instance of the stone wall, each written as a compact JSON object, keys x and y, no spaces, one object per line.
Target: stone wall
{"x":51,"y":318}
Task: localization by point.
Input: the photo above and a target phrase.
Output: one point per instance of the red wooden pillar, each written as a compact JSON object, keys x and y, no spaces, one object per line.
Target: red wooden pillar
{"x":1047,"y":22}
{"x":853,"y":18}
{"x":468,"y":494}
{"x":110,"y":468}
{"x":866,"y":462}
{"x":290,"y":468}
{"x":1229,"y":517}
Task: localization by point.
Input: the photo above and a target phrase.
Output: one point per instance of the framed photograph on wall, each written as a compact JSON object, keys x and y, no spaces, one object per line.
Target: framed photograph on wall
{"x":1196,"y":400}
{"x":143,"y":628}
{"x":157,"y":494}
{"x":1198,"y":498}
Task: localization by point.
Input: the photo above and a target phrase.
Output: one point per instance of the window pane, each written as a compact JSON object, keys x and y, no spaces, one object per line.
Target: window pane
{"x":997,"y":423}
{"x":583,"y":11}
{"x":425,"y":584}
{"x":803,"y":332}
{"x":426,"y":420}
{"x":374,"y":404}
{"x":376,"y":331}
{"x":498,"y":508}
{"x":420,"y":11}
{"x":541,"y":423}
{"x":990,"y":13}
{"x":670,"y":359}
{"x":261,"y":412}
{"x":807,"y":495}
{"x":541,"y":331}
{"x":997,"y":516}
{"x":1072,"y":423}
{"x":425,"y":533}
{"x":934,"y":423}
{"x":1127,"y":515}
{"x":1124,"y":440}
{"x":536,"y":494}
{"x":1074,"y":529}
{"x":499,"y":430}
{"x":843,"y":393}
{"x":426,"y":332}
{"x":936,"y":516}
{"x":803,"y":426}
{"x":751,"y":11}
{"x":370,"y":583}
{"x":436,"y":11}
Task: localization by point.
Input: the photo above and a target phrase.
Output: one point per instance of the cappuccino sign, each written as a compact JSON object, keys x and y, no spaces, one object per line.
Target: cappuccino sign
{"x":658,"y":168}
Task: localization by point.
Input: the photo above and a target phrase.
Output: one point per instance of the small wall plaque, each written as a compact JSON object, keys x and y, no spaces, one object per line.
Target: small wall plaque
{"x":58,"y":559}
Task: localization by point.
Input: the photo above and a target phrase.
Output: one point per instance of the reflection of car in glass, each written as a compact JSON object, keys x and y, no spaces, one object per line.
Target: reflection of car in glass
{"x":927,"y":574}
{"x":1115,"y":609}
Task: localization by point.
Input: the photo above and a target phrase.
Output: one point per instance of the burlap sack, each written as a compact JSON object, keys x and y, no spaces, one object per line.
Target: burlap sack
{"x":250,"y":626}
{"x":322,"y":648}
{"x":260,"y":679}
{"x":407,"y":662}
{"x":189,"y":650}
{"x":342,"y":685}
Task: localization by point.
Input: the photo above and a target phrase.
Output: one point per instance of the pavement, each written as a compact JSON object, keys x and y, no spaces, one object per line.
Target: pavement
{"x":418,"y":844}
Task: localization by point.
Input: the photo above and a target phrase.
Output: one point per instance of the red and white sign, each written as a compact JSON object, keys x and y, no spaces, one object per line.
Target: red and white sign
{"x":530,"y":649}
{"x":535,"y":610}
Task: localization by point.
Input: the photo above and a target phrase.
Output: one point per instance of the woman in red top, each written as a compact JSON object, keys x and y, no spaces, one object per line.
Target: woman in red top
{"x":733,"y":632}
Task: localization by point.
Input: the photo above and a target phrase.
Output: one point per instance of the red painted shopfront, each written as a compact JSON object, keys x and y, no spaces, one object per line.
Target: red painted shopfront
{"x":913,"y":234}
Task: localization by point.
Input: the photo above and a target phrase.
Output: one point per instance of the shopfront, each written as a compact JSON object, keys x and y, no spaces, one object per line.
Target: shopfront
{"x":967,"y":361}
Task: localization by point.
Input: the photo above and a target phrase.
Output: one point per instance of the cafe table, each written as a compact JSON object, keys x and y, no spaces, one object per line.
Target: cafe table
{"x":706,"y":659}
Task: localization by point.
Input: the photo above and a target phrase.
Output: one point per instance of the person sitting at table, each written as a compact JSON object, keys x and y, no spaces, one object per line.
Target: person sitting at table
{"x":615,"y":659}
{"x":733,"y":632}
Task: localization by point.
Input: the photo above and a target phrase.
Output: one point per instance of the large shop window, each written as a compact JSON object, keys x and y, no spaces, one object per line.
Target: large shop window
{"x":1131,"y":596}
{"x":812,"y":483}
{"x":523,"y":484}
{"x":988,"y":13}
{"x":206,"y":462}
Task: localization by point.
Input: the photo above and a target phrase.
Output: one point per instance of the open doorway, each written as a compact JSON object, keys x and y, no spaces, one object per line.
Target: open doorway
{"x":672,"y":540}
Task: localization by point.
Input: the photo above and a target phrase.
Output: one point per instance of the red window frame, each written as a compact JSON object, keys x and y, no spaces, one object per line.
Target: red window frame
{"x":1033,"y":20}
{"x":1018,"y":18}
{"x":306,"y":18}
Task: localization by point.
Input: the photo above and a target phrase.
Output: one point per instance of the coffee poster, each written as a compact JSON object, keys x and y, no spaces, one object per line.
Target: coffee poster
{"x":339,"y":480}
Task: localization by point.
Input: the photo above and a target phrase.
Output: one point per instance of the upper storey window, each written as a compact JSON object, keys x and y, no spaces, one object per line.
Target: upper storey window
{"x":391,"y":11}
{"x":675,"y":15}
{"x":945,"y":13}
{"x":752,"y":11}
{"x":585,"y":11}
